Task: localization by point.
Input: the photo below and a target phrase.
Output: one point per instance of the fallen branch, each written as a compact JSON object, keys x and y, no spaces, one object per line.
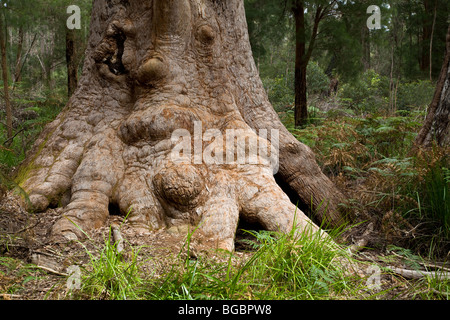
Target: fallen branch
{"x":435,"y":266}
{"x":4,"y":148}
{"x":7,"y":296}
{"x":413,"y":274}
{"x":117,"y":237}
{"x":425,"y":264}
{"x":8,"y":141}
{"x":52,"y":271}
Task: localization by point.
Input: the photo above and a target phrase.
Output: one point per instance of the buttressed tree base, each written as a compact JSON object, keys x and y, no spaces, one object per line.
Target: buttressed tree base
{"x":152,"y":68}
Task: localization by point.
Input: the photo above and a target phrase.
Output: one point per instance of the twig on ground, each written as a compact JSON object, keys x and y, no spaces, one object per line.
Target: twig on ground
{"x":7,"y":296}
{"x":414,"y":274}
{"x":52,"y":271}
{"x":117,"y":237}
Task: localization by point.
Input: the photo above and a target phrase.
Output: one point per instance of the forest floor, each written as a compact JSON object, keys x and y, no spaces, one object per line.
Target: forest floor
{"x":34,"y":266}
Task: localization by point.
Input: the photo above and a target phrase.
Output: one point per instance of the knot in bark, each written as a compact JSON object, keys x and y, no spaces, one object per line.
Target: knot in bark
{"x":181,"y":185}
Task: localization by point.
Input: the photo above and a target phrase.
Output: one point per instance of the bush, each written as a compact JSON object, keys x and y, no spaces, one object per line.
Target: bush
{"x":30,"y":115}
{"x":416,"y":94}
{"x":280,"y":94}
{"x":368,"y":94}
{"x":316,"y":79}
{"x":281,"y":90}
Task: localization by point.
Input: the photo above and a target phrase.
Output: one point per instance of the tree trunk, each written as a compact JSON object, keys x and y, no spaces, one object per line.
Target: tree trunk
{"x":424,"y":61}
{"x":301,"y":103}
{"x":431,"y":42}
{"x":365,"y":42}
{"x":150,"y":130}
{"x":17,"y":68}
{"x":72,"y":74}
{"x":436,"y":126}
{"x":303,"y":55}
{"x":8,"y":108}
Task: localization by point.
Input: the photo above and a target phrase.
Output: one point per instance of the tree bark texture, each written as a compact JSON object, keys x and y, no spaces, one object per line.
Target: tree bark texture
{"x":436,"y":124}
{"x":303,"y":55}
{"x":72,"y":72}
{"x":152,"y":68}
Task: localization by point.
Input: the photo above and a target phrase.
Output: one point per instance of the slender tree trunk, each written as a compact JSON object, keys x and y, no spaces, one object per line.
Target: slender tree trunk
{"x":163,"y":125}
{"x":301,"y":104}
{"x":72,"y":72}
{"x":431,"y":42}
{"x":303,"y":55}
{"x":5,"y":79}
{"x":19,"y":71}
{"x":365,"y":35}
{"x":426,"y":35}
{"x":17,"y":68}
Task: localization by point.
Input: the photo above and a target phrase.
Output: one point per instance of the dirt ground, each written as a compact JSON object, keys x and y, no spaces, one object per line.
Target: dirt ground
{"x":34,"y":265}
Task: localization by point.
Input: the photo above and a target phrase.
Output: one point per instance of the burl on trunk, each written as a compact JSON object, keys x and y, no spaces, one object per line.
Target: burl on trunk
{"x":155,"y":127}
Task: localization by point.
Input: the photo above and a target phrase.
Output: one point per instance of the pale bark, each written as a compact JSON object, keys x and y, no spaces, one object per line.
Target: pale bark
{"x":153,"y":68}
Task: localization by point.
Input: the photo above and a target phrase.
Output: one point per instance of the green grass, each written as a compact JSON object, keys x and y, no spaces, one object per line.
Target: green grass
{"x":109,"y":275}
{"x":15,"y":274}
{"x":280,"y":266}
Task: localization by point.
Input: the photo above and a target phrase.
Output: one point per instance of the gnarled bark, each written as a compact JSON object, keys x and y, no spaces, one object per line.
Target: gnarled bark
{"x":153,"y":69}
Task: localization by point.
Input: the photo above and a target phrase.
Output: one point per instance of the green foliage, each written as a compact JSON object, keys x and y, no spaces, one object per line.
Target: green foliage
{"x":284,"y":266}
{"x":110,"y":275}
{"x":316,"y":79}
{"x":279,"y":92}
{"x":388,"y":136}
{"x":15,"y":274}
{"x":416,"y":94}
{"x":32,"y":113}
{"x":409,"y":193}
{"x":367,"y":94}
{"x":435,"y":198}
{"x":370,"y":94}
{"x":267,"y":25}
{"x":304,"y":267}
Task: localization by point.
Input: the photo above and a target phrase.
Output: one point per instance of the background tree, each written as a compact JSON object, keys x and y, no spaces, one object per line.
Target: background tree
{"x":8,"y":107}
{"x":303,"y":53}
{"x":436,"y":125}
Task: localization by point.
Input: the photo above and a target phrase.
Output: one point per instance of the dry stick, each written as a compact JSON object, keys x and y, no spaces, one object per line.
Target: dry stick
{"x":52,"y":271}
{"x":4,"y":148}
{"x":425,"y":264}
{"x":8,"y":141}
{"x":413,"y":274}
{"x":429,"y":265}
{"x":117,"y":236}
{"x":7,"y":296}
